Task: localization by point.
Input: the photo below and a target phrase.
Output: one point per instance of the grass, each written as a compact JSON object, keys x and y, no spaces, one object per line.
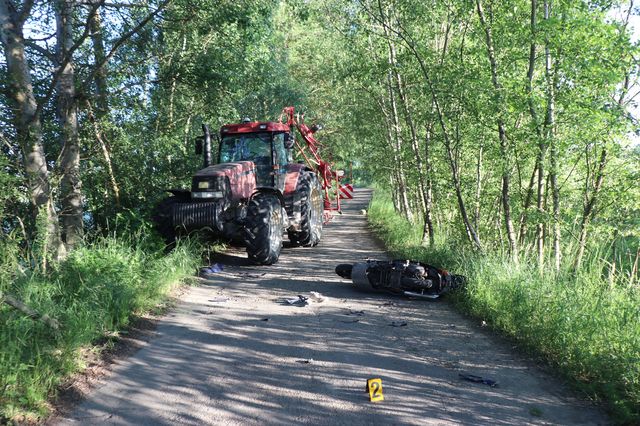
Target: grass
{"x":93,"y":293}
{"x":587,"y":324}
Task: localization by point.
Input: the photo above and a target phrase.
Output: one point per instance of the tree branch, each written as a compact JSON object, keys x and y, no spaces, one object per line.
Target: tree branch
{"x":44,"y":52}
{"x":24,"y":13}
{"x":66,"y":59}
{"x":30,"y":312}
{"x":122,"y":40}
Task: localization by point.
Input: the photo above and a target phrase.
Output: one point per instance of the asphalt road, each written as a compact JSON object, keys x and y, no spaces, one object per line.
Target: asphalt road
{"x":232,"y":352}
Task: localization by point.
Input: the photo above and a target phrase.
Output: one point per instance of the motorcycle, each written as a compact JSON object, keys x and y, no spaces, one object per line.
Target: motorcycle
{"x":403,"y":277}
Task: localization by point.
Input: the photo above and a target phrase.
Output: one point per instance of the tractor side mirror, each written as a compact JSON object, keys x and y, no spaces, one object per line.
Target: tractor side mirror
{"x":199,"y":142}
{"x":289,"y":140}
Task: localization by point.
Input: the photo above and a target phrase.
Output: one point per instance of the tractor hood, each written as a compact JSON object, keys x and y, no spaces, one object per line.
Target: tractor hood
{"x":238,"y":178}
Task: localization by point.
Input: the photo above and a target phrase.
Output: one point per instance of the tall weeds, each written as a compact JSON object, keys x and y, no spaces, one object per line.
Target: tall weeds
{"x":586,"y":324}
{"x":95,"y":291}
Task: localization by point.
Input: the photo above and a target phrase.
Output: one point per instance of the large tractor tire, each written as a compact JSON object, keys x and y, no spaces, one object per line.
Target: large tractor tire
{"x":311,"y":209}
{"x":264,"y":228}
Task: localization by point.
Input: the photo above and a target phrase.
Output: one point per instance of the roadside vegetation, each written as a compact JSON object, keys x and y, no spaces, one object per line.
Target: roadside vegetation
{"x":583,"y":323}
{"x":92,"y":294}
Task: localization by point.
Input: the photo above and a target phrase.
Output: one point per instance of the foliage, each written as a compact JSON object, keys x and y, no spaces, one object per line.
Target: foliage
{"x":92,"y":294}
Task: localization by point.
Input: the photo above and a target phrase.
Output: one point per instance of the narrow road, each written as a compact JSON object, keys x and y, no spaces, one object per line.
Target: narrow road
{"x":233,"y":353}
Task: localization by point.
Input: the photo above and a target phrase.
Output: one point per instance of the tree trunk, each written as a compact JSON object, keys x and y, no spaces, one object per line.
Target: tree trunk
{"x":100,"y":79}
{"x":29,"y":126}
{"x":504,"y":148}
{"x":476,"y":211}
{"x":389,"y":136}
{"x":415,"y":145}
{"x":588,"y":209}
{"x":428,"y":234}
{"x":471,"y":232}
{"x":397,"y":130}
{"x":397,"y":152}
{"x":542,"y":145}
{"x":526,"y":205}
{"x":549,"y":134}
{"x":100,"y":116}
{"x":67,"y":108}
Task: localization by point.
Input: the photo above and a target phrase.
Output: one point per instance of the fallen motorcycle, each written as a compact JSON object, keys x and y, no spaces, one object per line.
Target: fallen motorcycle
{"x":403,"y":277}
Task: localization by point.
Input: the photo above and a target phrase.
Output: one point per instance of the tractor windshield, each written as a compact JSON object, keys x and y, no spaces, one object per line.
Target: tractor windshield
{"x":254,"y":147}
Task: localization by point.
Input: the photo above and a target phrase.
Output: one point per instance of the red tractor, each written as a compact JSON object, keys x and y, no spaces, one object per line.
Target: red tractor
{"x":255,"y":192}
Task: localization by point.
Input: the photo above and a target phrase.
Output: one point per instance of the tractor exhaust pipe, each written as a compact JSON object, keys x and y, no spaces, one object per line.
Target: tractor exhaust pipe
{"x":207,"y":145}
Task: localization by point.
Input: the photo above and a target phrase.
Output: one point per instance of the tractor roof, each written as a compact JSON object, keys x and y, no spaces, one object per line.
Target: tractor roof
{"x":254,"y":127}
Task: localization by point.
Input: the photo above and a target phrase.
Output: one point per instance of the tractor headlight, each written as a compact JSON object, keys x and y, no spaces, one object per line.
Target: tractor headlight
{"x":207,"y":195}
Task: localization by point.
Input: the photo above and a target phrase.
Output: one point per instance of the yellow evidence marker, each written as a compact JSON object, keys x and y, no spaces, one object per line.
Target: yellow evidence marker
{"x":374,"y":387}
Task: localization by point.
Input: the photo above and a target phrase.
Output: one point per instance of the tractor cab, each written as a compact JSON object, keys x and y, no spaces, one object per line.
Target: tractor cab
{"x":267,"y":145}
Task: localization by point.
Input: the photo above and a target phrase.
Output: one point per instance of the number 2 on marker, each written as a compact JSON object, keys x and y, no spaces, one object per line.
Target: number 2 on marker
{"x":374,"y":386}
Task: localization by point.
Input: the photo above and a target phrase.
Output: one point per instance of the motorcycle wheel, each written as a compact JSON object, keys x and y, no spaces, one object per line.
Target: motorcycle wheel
{"x":344,"y":270}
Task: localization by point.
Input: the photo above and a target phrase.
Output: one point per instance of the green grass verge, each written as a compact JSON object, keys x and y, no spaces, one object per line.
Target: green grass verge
{"x":93,"y":293}
{"x":584,"y":325}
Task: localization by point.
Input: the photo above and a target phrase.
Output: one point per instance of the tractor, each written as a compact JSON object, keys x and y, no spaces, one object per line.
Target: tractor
{"x":255,"y":192}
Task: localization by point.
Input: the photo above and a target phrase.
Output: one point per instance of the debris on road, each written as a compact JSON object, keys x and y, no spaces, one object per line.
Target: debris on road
{"x":305,"y":361}
{"x":213,"y":269}
{"x":398,"y":324}
{"x":350,"y":321}
{"x":317,"y":297}
{"x":358,"y":313}
{"x":299,"y":301}
{"x":220,"y":299}
{"x":478,"y":379}
{"x":250,"y":275}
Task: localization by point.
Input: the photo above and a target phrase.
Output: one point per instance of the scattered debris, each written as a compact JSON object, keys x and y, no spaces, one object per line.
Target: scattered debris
{"x":358,"y":313}
{"x":220,"y":299}
{"x":305,"y":361}
{"x":300,"y":301}
{"x":265,"y":319}
{"x":317,"y":297}
{"x":398,"y":324}
{"x":478,"y":379}
{"x":251,"y":275}
{"x":213,"y":269}
{"x":351,"y":321}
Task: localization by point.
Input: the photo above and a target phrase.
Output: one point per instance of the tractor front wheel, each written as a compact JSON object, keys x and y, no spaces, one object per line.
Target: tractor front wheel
{"x":264,"y":227}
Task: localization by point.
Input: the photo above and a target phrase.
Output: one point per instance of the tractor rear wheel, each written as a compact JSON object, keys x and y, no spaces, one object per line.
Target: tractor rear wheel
{"x":311,"y":207}
{"x":264,"y":227}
